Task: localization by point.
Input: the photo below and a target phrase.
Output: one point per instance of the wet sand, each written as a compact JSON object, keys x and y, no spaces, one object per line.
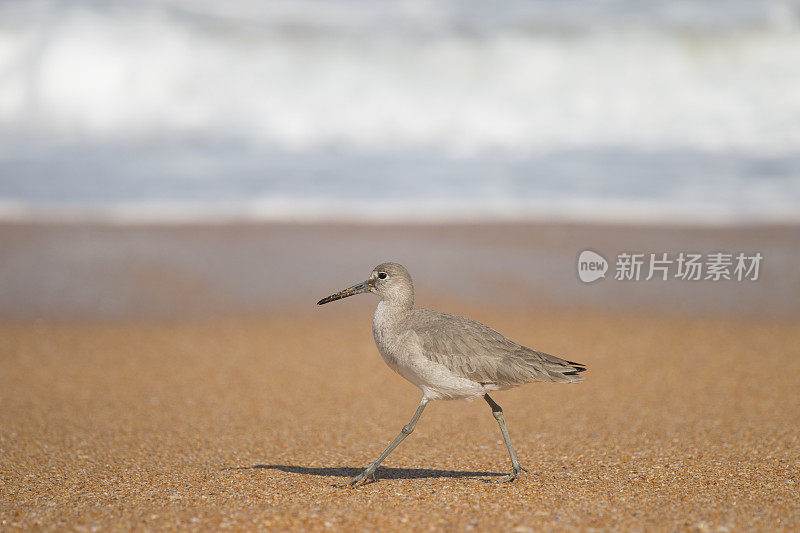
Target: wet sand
{"x":681,"y":424}
{"x":144,"y":272}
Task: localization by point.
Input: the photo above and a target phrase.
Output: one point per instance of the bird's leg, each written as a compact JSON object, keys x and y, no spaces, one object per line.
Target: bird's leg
{"x":497,"y":412}
{"x":369,"y":472}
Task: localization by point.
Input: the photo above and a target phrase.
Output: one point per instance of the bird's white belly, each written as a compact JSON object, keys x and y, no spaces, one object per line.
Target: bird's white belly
{"x":401,"y":352}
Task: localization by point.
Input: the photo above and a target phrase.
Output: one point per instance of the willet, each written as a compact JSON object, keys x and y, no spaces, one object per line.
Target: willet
{"x":447,"y":356}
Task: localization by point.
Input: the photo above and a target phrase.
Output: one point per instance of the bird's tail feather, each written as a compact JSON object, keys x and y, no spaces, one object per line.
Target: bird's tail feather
{"x":577,"y":367}
{"x":556,"y":369}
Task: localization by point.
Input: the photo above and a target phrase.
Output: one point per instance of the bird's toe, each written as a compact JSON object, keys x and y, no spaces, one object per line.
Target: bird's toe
{"x":361,"y":479}
{"x":344,"y":484}
{"x":513,"y":475}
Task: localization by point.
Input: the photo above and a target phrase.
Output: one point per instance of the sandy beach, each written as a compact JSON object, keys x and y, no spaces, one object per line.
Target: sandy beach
{"x":182,"y":378}
{"x":681,"y":424}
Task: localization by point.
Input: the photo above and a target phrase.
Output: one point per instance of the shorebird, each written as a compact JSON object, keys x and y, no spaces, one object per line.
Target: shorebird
{"x":447,"y":356}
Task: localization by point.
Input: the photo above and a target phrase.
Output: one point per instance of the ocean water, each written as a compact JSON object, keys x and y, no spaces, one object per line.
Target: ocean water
{"x":179,"y":110}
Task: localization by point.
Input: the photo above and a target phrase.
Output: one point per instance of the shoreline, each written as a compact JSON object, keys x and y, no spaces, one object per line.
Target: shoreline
{"x":191,"y":271}
{"x":80,"y":218}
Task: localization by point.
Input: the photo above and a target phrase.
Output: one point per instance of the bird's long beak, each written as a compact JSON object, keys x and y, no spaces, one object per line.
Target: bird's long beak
{"x":355,"y":289}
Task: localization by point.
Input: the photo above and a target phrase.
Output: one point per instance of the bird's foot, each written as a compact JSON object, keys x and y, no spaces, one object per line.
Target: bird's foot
{"x":516,"y":469}
{"x":362,"y":479}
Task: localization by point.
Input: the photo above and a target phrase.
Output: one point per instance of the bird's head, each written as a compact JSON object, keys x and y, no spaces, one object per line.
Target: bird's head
{"x":390,"y":281}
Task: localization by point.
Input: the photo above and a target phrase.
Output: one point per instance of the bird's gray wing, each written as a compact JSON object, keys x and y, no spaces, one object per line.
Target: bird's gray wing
{"x":477,"y":352}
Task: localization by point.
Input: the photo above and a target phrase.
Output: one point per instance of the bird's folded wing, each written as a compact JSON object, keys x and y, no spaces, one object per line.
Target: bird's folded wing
{"x":477,"y":352}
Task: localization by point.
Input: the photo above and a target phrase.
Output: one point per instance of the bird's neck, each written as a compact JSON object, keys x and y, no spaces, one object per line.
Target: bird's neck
{"x":399,"y":296}
{"x":390,"y":307}
{"x":403,"y":303}
{"x":386,"y":319}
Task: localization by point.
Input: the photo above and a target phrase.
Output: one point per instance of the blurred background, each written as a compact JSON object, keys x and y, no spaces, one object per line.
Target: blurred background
{"x":178,"y":156}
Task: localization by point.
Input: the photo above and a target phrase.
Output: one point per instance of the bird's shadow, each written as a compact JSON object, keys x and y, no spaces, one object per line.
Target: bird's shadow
{"x":381,"y":473}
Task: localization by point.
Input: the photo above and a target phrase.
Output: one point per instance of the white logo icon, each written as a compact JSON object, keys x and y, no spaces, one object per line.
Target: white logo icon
{"x":591,"y":266}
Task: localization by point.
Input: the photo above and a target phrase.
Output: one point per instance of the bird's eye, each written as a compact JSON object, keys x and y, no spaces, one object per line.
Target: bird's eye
{"x":382,"y":275}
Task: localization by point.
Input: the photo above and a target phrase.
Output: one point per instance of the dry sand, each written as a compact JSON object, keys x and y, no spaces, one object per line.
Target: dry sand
{"x":681,"y":424}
